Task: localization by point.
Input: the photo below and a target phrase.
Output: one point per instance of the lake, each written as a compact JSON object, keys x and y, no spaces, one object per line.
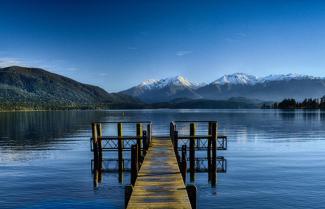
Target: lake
{"x":275,"y":158}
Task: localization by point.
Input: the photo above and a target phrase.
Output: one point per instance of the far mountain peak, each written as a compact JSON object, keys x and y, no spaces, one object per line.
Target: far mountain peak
{"x":176,"y":81}
{"x":237,"y":78}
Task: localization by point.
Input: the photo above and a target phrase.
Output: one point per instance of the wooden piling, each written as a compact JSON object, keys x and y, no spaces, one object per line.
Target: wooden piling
{"x":175,"y":145}
{"x":99,"y":144}
{"x":209,"y":150}
{"x":192,"y":151}
{"x":134,"y":163}
{"x":127,"y":194}
{"x":149,"y":134}
{"x":172,"y":128}
{"x":183,"y":164}
{"x":95,"y":178}
{"x":139,"y":138}
{"x":214,"y":154}
{"x":120,"y":145}
{"x":95,"y":144}
{"x":145,"y":143}
{"x":191,"y":192}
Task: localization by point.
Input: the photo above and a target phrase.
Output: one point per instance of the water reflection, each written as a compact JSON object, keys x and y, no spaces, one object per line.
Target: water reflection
{"x":35,"y":130}
{"x":287,"y":115}
{"x":275,"y":158}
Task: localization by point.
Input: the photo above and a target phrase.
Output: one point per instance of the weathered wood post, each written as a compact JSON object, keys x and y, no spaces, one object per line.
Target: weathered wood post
{"x":95,"y":144}
{"x":149,"y":134}
{"x":95,"y":179}
{"x":134,"y":163}
{"x":100,"y":150}
{"x":183,"y":164}
{"x":175,"y":143}
{"x":120,"y":145}
{"x":139,"y":138}
{"x":209,"y":150}
{"x":191,"y":192}
{"x":192,"y":151}
{"x":145,"y":143}
{"x":127,"y":194}
{"x":171,"y":130}
{"x":214,"y":154}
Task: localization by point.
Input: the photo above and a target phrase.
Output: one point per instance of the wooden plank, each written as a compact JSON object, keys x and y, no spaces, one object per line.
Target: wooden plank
{"x":159,"y":183}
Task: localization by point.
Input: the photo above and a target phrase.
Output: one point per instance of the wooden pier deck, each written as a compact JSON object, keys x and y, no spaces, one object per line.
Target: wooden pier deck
{"x":159,"y":183}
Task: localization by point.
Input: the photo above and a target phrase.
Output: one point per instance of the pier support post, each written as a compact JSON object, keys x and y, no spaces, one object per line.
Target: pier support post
{"x":172,"y":128}
{"x":191,"y":192}
{"x":120,"y":150}
{"x":100,"y":150}
{"x":134,"y":163}
{"x":139,"y":138}
{"x":183,"y":164}
{"x":175,"y":143}
{"x":192,"y":151}
{"x":149,"y":134}
{"x":99,"y":141}
{"x":95,"y":178}
{"x":95,"y":144}
{"x":145,"y":143}
{"x":214,"y":154}
{"x":127,"y":194}
{"x":209,"y":150}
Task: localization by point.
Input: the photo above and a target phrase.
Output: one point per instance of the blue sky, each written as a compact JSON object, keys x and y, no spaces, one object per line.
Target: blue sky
{"x":117,"y":44}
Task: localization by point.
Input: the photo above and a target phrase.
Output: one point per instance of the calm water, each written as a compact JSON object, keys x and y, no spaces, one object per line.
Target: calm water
{"x":276,"y":159}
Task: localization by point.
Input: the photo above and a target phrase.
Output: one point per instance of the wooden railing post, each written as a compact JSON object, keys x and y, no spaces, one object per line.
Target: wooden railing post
{"x":175,"y":143}
{"x":192,"y":151}
{"x":100,"y":149}
{"x":209,"y":150}
{"x":149,"y":134}
{"x":183,"y":164}
{"x":127,"y":194}
{"x":145,"y":143}
{"x":191,"y":192}
{"x":214,"y":154}
{"x":139,"y":140}
{"x":120,"y":147}
{"x":95,"y":144}
{"x":134,"y":163}
{"x":99,"y":140}
{"x":172,"y":128}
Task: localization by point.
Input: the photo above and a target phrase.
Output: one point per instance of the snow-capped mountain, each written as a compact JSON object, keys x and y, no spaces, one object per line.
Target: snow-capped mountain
{"x":281,"y":77}
{"x":271,"y":87}
{"x":237,"y":78}
{"x":163,"y":90}
{"x":162,"y":83}
{"x":246,"y":79}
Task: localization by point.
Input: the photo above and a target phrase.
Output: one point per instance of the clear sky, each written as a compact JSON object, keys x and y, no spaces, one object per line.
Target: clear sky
{"x":117,"y":44}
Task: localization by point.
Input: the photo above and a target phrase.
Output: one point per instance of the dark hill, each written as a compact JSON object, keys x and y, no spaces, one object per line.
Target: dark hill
{"x":22,"y":87}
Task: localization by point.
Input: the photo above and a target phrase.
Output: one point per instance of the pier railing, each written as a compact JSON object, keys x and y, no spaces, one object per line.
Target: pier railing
{"x":209,"y":142}
{"x":195,"y":151}
{"x":195,"y":143}
{"x":119,"y":143}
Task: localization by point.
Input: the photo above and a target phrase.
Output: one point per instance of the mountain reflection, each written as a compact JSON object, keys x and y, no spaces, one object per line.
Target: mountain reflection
{"x":21,"y":130}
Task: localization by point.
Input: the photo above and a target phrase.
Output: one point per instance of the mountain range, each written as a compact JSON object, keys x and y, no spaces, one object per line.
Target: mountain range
{"x":268,"y":88}
{"x":35,"y":88}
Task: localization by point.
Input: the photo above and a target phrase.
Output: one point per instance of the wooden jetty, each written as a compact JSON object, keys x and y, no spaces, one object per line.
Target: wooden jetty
{"x":158,"y":166}
{"x":159,"y":183}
